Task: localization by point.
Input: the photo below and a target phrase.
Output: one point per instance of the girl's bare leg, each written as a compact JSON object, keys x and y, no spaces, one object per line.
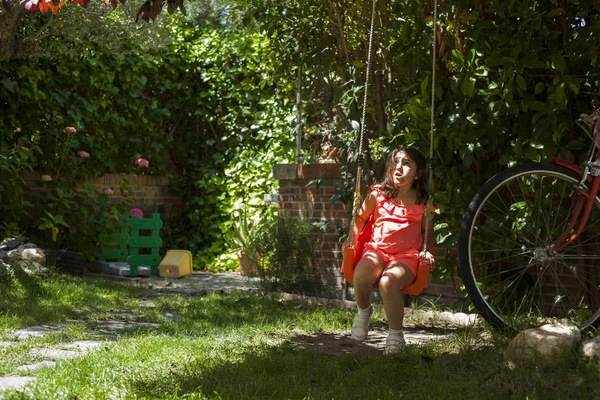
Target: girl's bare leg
{"x":367,"y":272}
{"x":394,"y":277}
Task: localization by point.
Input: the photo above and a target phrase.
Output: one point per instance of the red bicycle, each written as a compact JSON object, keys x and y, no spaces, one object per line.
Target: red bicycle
{"x":529,"y":246}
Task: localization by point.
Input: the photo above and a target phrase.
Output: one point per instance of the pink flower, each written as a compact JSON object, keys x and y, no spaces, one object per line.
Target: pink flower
{"x":18,"y":145}
{"x":108,"y":191}
{"x":140,"y":162}
{"x":31,"y":5}
{"x":70,"y":129}
{"x":136,"y":212}
{"x":83,"y":154}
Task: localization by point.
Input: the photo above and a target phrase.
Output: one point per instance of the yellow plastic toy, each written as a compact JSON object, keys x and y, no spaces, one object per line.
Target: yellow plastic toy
{"x":176,"y":264}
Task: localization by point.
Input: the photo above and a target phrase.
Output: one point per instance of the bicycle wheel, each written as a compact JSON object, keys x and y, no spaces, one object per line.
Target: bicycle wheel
{"x":510,"y":269}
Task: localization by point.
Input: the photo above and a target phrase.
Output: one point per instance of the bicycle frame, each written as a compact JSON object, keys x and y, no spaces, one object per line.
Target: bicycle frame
{"x":590,"y":173}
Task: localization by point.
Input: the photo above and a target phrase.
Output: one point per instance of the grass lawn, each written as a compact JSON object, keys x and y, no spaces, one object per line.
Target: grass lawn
{"x":234,"y":346}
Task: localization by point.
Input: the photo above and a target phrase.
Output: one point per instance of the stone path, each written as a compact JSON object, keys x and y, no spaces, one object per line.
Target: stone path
{"x":201,"y":282}
{"x":50,"y":356}
{"x":197,"y":282}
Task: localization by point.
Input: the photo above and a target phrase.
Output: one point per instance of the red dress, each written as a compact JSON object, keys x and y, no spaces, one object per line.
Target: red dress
{"x":393,"y":232}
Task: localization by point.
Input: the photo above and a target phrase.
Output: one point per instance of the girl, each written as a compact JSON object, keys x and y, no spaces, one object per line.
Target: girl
{"x":392,"y":255}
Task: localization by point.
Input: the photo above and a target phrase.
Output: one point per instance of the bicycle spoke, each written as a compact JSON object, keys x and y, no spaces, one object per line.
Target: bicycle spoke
{"x":508,"y":214}
{"x":512,"y":268}
{"x":488,"y":261}
{"x":506,"y":271}
{"x":502,"y":237}
{"x":516,"y":201}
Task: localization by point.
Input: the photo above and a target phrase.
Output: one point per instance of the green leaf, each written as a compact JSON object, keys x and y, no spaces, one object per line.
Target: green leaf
{"x":458,"y":58}
{"x":425,"y":86}
{"x":519,"y":205}
{"x":471,"y":56}
{"x":467,"y":86}
{"x":8,"y":84}
{"x":559,"y":94}
{"x":532,"y":61}
{"x":494,"y":60}
{"x":539,"y":87}
{"x":467,"y":158}
{"x":555,"y":12}
{"x":572,"y":84}
{"x":538,"y":106}
{"x":558,"y":62}
{"x":521,"y":82}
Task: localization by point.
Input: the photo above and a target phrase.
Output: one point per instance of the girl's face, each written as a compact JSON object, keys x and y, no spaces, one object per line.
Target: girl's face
{"x":405,"y":170}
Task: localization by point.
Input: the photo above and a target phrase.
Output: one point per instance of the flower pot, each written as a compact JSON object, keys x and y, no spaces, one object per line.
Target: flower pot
{"x":246,"y":267}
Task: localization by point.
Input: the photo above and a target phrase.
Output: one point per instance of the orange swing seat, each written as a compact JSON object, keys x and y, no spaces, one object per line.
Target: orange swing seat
{"x":352,"y":256}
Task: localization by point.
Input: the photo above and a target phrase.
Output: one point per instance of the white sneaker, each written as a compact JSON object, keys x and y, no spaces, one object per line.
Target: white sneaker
{"x":394,"y":344}
{"x":360,"y":326}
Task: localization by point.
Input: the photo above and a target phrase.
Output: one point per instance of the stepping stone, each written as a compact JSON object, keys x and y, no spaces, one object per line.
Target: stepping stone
{"x":377,"y":339}
{"x":54,"y":353}
{"x":120,"y":325}
{"x":14,"y":382}
{"x":85,"y":345}
{"x":36,"y":331}
{"x":169,"y":315}
{"x":36,"y":366}
{"x":446,"y":317}
{"x":178,"y":290}
{"x":464,"y":320}
{"x":125,"y":314}
{"x":420,"y":338}
{"x":114,"y":314}
{"x":148,"y":303}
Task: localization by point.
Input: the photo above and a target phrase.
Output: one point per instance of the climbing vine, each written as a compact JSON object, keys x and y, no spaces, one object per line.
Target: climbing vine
{"x":215,"y":105}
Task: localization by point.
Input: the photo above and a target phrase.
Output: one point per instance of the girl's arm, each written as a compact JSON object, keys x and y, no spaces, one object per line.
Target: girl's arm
{"x":360,"y":219}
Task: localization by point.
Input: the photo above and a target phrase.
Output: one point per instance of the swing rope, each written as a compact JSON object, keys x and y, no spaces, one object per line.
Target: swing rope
{"x":357,"y":195}
{"x":362,"y":122}
{"x":431,"y":134}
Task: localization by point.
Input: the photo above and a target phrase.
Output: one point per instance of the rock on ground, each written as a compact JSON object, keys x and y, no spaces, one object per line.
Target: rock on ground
{"x":591,"y":348}
{"x":548,"y":344}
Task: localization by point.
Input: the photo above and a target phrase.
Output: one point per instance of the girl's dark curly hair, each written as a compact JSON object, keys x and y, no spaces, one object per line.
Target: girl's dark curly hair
{"x":420,"y":184}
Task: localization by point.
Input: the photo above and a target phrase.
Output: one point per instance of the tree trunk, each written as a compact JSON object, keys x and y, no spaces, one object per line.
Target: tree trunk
{"x":13,"y":45}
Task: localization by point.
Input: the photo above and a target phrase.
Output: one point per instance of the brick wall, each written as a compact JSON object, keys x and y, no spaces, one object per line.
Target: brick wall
{"x":145,"y":192}
{"x":305,"y":190}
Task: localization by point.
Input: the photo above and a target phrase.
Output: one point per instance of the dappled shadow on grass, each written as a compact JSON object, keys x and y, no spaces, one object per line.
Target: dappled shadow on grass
{"x":57,"y":299}
{"x":295,"y":372}
{"x":333,"y":344}
{"x":197,"y":313}
{"x":53,"y":298}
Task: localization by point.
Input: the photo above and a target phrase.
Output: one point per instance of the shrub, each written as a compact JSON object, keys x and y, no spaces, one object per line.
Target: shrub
{"x":282,"y":253}
{"x":18,"y":153}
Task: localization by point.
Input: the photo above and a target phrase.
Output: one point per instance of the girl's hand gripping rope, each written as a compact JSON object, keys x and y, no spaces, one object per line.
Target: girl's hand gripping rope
{"x":427,"y":256}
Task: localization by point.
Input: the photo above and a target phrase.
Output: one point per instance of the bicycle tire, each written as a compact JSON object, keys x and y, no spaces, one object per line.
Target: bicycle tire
{"x":506,"y":262}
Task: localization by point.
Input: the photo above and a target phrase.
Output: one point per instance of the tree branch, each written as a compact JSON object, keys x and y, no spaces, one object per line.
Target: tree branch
{"x":340,"y":26}
{"x":38,"y":34}
{"x":5,"y":5}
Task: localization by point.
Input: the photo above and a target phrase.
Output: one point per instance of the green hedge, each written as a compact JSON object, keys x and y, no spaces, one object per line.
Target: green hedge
{"x":206,"y":110}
